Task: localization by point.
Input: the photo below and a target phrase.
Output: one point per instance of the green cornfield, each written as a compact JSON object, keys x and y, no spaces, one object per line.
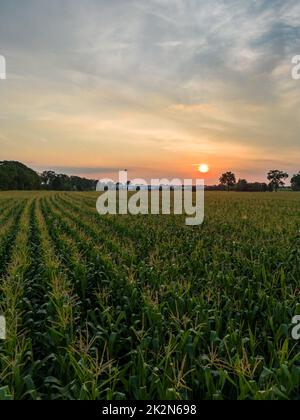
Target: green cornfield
{"x":144,"y":307}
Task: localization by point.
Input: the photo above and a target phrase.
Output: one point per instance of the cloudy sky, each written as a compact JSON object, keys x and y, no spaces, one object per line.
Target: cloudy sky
{"x":154,"y":86}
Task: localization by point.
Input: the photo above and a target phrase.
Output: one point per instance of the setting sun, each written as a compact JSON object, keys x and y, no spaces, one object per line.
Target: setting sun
{"x":203,"y":168}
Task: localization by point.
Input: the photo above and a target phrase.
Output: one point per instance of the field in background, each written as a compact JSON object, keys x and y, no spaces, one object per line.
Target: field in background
{"x":144,"y":307}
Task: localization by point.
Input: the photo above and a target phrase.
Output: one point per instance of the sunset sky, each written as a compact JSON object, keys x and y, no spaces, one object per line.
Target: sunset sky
{"x":154,"y":86}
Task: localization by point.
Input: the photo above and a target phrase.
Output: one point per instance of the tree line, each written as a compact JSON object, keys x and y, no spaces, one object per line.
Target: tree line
{"x":16,"y":176}
{"x":276,"y":178}
{"x":61,"y":182}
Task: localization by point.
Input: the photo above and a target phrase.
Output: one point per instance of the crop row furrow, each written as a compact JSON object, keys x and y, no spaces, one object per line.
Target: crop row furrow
{"x":9,"y":234}
{"x":85,"y":223}
{"x":127,"y":228}
{"x":15,"y":352}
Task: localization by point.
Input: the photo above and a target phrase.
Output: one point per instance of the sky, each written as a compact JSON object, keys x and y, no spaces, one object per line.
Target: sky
{"x":153,"y":86}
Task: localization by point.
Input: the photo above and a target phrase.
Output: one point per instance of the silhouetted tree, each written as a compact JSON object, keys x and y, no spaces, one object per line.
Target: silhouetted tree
{"x":295,"y":182}
{"x":215,"y":188}
{"x":61,"y":182}
{"x":47,"y":178}
{"x":276,"y":179}
{"x":82,"y":184}
{"x":16,"y":176}
{"x":228,"y":179}
{"x":257,"y":187}
{"x":242,"y":185}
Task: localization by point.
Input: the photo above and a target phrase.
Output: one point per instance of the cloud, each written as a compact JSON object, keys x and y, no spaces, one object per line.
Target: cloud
{"x":103,"y":78}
